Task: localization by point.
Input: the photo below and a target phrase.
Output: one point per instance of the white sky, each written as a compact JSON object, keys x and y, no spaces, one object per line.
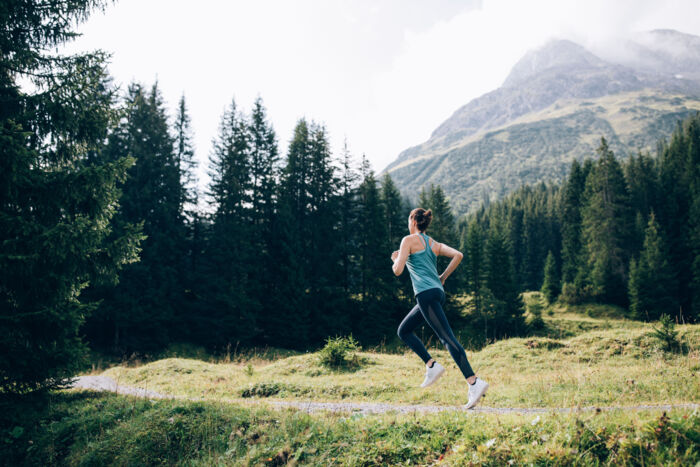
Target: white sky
{"x":383,"y":73}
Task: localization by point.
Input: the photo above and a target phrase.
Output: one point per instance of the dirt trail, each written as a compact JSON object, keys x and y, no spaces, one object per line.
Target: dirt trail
{"x":105,"y":383}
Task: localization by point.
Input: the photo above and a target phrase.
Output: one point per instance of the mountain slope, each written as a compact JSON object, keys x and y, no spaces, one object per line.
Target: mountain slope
{"x":553,"y":107}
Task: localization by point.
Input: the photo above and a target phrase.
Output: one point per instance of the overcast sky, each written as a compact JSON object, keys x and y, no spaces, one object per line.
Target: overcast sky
{"x":383,"y":74}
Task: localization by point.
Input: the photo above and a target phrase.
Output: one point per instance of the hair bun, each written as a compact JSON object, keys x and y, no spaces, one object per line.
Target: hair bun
{"x":422,"y":217}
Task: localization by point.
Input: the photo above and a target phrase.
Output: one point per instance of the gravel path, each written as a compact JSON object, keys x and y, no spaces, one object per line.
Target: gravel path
{"x":105,"y":383}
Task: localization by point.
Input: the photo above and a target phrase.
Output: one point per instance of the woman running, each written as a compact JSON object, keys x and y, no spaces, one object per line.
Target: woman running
{"x":420,"y":255}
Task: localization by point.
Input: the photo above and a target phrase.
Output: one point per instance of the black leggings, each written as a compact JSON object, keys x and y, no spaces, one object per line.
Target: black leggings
{"x":429,"y":307}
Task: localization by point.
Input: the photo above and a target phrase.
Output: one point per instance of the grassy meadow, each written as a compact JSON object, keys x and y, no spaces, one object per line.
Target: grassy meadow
{"x":91,"y":428}
{"x":584,"y":356}
{"x":587,"y":355}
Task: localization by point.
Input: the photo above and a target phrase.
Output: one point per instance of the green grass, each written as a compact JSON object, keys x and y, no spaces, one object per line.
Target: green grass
{"x":588,"y":355}
{"x":88,"y":428}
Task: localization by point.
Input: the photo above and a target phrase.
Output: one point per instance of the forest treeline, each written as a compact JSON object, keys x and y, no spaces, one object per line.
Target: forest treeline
{"x":623,"y":232}
{"x":104,"y":244}
{"x":292,"y":249}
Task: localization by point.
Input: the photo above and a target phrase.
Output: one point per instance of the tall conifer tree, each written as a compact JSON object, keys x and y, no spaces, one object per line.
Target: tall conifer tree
{"x":377,"y":286}
{"x":264,"y":165}
{"x":229,"y":311}
{"x":572,"y":195}
{"x":184,"y":159}
{"x":289,"y":320}
{"x":474,"y":255}
{"x":607,"y":223}
{"x":190,"y":260}
{"x":138,"y":314}
{"x":652,"y":285}
{"x":396,"y":213}
{"x":325,"y":266}
{"x":57,"y":197}
{"x":551,"y":286}
{"x":349,"y":181}
{"x":500,"y":281}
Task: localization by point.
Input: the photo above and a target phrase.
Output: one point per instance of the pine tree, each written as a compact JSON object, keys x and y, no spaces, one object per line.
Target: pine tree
{"x":229,"y":307}
{"x":443,"y":228}
{"x":138,"y":315}
{"x":325,"y":267}
{"x":348,"y":217}
{"x":287,"y":321}
{"x":57,"y":197}
{"x":641,"y":178}
{"x":499,"y":280}
{"x":474,"y":257}
{"x":694,"y":221}
{"x":264,"y":164}
{"x":607,"y":224}
{"x":396,"y":213}
{"x":678,"y":163}
{"x":290,"y":298}
{"x":693,"y":227}
{"x":652,"y":285}
{"x":189,"y":263}
{"x":514,"y":221}
{"x":185,"y":161}
{"x":377,"y":286}
{"x":550,"y":286}
{"x":533,"y":243}
{"x":572,"y":195}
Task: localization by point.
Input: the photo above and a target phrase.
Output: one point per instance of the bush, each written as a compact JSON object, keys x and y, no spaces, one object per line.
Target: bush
{"x":535,"y":309}
{"x":575,"y":294}
{"x":263,"y":389}
{"x":339,"y":352}
{"x":667,"y":335}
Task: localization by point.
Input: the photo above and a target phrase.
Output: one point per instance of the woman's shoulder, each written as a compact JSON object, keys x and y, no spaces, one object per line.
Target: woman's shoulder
{"x":412,"y":241}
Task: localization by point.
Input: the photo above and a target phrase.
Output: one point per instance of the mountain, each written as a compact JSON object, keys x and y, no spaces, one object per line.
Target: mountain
{"x":554,"y":106}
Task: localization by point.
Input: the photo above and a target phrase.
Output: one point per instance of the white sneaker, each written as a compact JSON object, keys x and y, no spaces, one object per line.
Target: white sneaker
{"x":432,"y":374}
{"x":476,"y":390}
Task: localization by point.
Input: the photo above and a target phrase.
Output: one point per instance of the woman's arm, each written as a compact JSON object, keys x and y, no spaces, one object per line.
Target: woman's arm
{"x":456,"y":258}
{"x":399,"y":257}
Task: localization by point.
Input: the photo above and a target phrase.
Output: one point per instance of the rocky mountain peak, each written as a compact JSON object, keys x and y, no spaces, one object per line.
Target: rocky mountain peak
{"x":556,"y":53}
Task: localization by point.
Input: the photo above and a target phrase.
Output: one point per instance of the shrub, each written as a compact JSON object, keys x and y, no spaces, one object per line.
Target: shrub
{"x":574,"y":294}
{"x":262,"y":390}
{"x":339,"y":352}
{"x":535,"y":309}
{"x":667,"y":334}
{"x":249,"y":369}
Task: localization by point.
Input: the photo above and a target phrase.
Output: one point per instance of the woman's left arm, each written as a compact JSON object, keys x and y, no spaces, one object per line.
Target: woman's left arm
{"x":400,"y":257}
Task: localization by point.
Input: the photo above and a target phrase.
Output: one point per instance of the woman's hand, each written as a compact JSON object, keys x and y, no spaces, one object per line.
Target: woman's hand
{"x":443,"y":278}
{"x":394,"y":255}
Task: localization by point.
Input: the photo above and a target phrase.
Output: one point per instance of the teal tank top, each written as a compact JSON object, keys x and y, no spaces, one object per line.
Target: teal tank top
{"x":422,"y":266}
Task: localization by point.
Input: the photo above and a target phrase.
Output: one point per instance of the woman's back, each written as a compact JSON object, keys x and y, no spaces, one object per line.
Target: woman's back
{"x":422,"y":267}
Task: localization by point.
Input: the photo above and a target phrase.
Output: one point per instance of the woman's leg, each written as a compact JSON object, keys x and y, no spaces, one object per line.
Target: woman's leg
{"x":412,"y":320}
{"x":430,"y":302}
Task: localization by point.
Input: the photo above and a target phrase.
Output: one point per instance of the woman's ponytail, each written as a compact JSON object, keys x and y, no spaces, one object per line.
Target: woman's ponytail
{"x":422,"y":217}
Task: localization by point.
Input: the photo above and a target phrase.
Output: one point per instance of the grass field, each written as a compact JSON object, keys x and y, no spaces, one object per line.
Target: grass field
{"x":585,"y":356}
{"x":88,"y":428}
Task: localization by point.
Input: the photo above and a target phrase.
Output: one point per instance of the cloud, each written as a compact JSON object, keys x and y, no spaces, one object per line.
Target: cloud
{"x":444,"y":67}
{"x":383,"y":73}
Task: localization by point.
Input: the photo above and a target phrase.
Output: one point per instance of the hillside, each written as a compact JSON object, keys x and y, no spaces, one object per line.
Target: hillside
{"x":553,"y":107}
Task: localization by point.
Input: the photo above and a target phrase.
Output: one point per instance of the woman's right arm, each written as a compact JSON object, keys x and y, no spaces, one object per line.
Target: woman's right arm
{"x":456,"y":258}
